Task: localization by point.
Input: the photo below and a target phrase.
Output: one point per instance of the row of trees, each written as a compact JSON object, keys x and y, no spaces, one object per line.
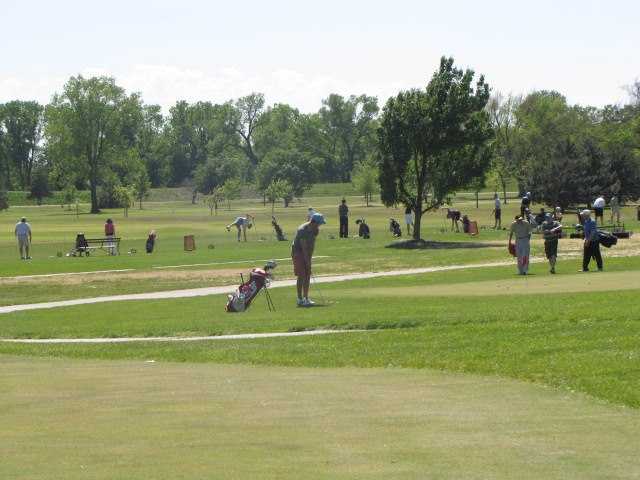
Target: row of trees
{"x":452,"y":134}
{"x":567,"y":154}
{"x":424,"y":146}
{"x":96,"y":136}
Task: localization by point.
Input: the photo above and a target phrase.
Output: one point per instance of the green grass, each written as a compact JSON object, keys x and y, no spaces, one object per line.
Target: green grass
{"x":450,"y":378}
{"x":23,"y":198}
{"x":55,"y":229}
{"x":134,"y":420}
{"x":579,"y":341}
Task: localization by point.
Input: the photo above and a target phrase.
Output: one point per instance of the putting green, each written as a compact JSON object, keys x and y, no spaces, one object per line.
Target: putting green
{"x":133,"y":420}
{"x":531,"y":284}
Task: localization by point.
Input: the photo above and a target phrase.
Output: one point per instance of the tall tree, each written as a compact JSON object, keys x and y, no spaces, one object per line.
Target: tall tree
{"x":150,"y":145}
{"x":4,"y":199}
{"x":431,"y":140}
{"x":215,"y":172}
{"x":321,"y":143}
{"x":278,"y":189}
{"x":5,"y":167}
{"x":351,"y":124}
{"x":91,"y":123}
{"x":365,"y":178}
{"x":504,"y":162}
{"x":634,"y":92}
{"x":248,"y":112}
{"x":195,"y":133}
{"x":287,"y":164}
{"x":23,"y":123}
{"x":141,"y":186}
{"x":279,"y":127}
{"x":39,"y":187}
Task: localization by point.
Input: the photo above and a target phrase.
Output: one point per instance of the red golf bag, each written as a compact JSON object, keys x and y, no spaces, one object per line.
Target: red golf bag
{"x":259,"y":279}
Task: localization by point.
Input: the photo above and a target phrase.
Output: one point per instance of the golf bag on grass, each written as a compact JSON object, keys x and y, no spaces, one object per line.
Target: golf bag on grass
{"x":394,"y":228}
{"x":259,"y":279}
{"x":280,"y":236}
{"x":151,"y":241}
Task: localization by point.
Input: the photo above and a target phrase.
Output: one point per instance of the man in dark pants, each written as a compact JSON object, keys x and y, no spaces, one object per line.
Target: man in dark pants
{"x":524,"y":204}
{"x":591,"y":243}
{"x":343,"y":213}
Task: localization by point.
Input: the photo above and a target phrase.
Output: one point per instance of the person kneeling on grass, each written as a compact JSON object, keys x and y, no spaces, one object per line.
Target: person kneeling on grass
{"x":551,"y":231}
{"x":242,"y":223}
{"x":363,"y":229}
{"x":522,"y":231}
{"x":302,"y":253}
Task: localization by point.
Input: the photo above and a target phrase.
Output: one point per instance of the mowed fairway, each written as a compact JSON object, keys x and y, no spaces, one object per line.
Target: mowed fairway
{"x":125,"y":420}
{"x":531,"y":285}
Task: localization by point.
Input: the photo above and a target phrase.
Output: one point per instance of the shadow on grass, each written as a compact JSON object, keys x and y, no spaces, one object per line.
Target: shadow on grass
{"x":431,"y":245}
{"x":401,"y":324}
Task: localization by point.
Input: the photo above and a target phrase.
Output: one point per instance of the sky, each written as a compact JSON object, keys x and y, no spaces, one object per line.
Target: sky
{"x":299,"y":52}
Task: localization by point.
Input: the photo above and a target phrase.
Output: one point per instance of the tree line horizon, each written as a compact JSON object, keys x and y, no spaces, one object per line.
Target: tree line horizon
{"x":419,"y":148}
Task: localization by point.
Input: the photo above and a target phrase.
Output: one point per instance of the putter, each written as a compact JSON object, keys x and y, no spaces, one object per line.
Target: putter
{"x":323,"y":301}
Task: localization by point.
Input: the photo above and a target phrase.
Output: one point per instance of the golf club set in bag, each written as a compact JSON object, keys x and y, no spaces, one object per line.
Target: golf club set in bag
{"x":259,"y":280}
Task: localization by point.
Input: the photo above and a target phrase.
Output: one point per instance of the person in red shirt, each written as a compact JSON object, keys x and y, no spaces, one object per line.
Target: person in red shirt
{"x":110,"y":232}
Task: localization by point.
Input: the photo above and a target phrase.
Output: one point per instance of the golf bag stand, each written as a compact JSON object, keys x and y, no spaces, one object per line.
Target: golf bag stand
{"x":259,"y":279}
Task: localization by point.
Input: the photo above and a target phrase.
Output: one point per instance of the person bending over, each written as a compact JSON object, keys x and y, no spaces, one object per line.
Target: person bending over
{"x":302,"y":253}
{"x":242,"y":223}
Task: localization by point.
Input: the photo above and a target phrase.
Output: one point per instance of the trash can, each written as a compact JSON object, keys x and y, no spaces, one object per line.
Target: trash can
{"x":638,"y":212}
{"x":189,"y":243}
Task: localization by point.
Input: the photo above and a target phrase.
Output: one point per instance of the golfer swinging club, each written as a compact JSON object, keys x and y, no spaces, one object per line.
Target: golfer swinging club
{"x":522,"y":231}
{"x":301,"y":254}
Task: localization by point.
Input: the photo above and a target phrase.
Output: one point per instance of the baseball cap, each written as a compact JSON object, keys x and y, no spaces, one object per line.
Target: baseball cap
{"x":318,"y":218}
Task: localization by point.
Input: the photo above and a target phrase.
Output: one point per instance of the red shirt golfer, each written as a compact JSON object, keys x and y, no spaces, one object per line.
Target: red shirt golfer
{"x":301,"y":254}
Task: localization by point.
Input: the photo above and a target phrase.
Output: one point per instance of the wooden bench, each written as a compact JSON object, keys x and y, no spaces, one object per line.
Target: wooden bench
{"x":110,"y":246}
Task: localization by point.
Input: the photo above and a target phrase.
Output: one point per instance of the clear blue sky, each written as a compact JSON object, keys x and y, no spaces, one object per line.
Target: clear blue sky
{"x":299,"y":52}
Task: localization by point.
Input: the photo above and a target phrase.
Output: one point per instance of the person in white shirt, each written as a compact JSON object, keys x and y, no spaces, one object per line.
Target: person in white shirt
{"x":598,"y":207}
{"x":23,"y":234}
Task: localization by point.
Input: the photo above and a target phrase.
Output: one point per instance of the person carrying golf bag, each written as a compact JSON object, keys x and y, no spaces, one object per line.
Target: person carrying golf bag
{"x":302,"y":253}
{"x":591,"y":247}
